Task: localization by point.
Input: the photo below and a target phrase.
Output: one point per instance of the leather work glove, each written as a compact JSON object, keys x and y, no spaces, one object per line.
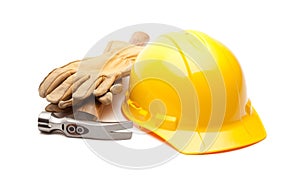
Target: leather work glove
{"x":77,"y":80}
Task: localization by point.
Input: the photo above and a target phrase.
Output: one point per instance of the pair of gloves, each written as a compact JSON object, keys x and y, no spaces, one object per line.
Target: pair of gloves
{"x":99,"y":76}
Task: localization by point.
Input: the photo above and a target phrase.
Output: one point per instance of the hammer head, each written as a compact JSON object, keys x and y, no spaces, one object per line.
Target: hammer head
{"x":48,"y":123}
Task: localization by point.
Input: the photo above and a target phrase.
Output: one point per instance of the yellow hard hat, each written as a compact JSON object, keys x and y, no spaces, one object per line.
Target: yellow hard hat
{"x":189,"y":90}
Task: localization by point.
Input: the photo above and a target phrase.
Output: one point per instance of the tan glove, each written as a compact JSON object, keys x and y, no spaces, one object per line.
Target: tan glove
{"x":58,"y":75}
{"x":92,"y":75}
{"x":59,"y":85}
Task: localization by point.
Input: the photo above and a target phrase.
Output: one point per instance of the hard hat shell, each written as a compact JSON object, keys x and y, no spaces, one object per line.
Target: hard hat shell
{"x":189,"y":90}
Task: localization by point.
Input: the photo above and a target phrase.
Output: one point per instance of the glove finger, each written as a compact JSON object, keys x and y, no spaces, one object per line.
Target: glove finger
{"x":53,"y":81}
{"x":105,"y":86}
{"x":55,"y":77}
{"x":54,"y":108}
{"x":86,"y":89}
{"x":67,"y":100}
{"x":63,"y":90}
{"x":106,"y":99}
{"x":139,"y":38}
{"x":99,"y":81}
{"x":117,"y":87}
{"x":65,"y":103}
{"x":76,"y":84}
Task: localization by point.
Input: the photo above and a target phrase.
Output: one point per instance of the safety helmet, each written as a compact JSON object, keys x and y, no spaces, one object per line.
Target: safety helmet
{"x":188,"y":89}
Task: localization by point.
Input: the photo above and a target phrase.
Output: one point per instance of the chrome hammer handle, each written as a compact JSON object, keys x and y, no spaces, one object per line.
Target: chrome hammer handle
{"x":48,"y":122}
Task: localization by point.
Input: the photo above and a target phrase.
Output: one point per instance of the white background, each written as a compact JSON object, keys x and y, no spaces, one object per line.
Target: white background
{"x":37,"y":36}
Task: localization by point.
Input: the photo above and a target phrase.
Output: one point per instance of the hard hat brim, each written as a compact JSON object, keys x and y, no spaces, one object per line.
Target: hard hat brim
{"x":248,"y":131}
